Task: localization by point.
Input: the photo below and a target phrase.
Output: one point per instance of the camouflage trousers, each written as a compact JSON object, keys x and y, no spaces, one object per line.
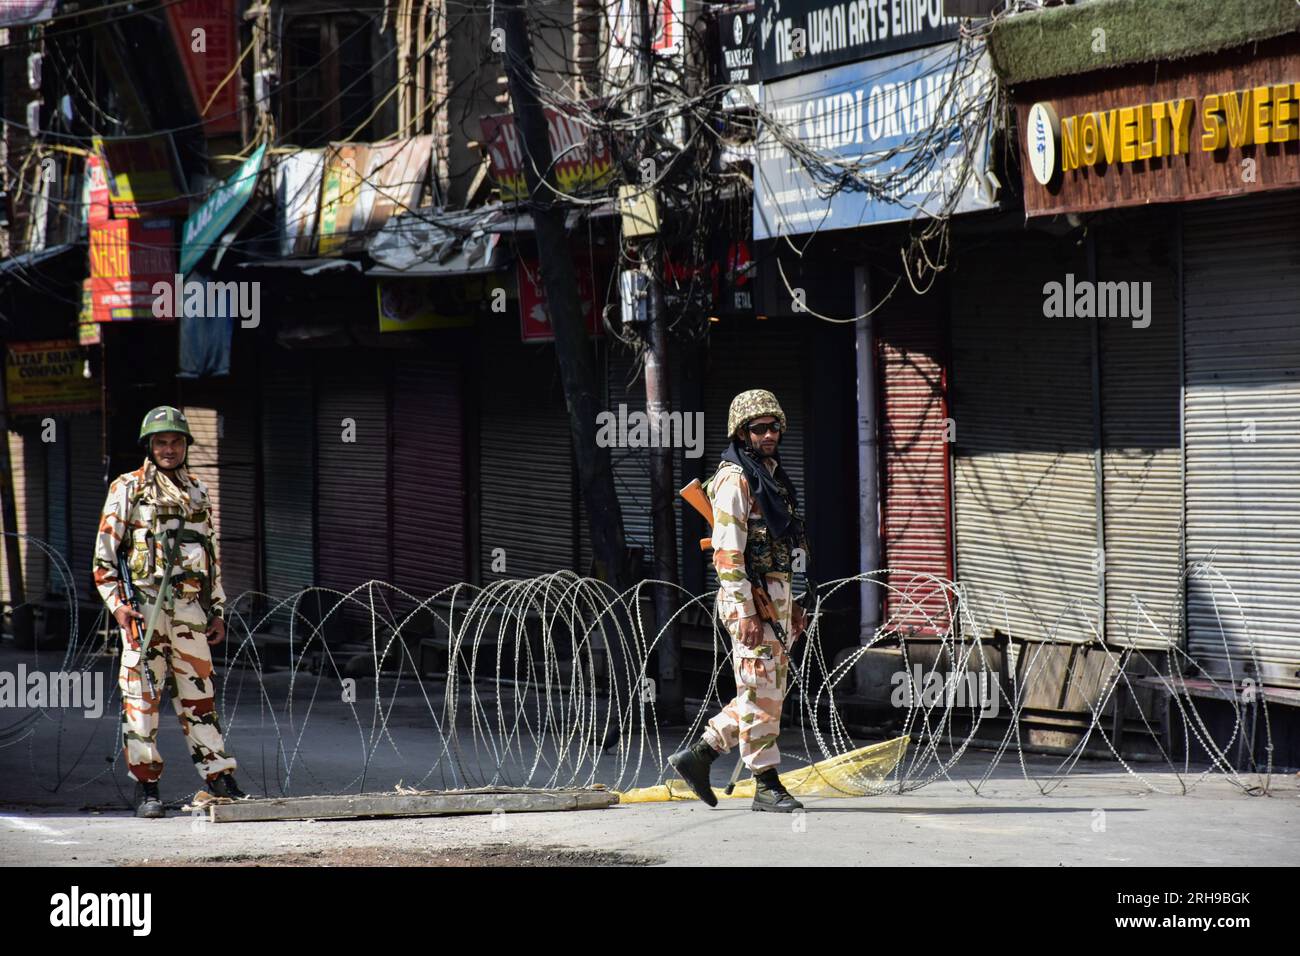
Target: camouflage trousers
{"x":178,"y":644}
{"x":753,"y":718}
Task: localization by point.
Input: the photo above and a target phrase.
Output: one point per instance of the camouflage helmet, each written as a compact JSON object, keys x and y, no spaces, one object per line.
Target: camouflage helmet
{"x":751,"y":404}
{"x":165,"y":418}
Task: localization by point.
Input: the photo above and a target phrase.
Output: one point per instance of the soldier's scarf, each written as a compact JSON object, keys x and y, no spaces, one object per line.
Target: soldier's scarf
{"x":170,"y":499}
{"x":167,"y":495}
{"x":764,"y":485}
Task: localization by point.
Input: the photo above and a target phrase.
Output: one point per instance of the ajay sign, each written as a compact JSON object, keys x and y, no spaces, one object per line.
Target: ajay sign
{"x":219,"y":210}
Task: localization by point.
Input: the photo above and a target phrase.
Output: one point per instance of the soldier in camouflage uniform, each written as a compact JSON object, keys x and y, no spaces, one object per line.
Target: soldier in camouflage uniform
{"x":756,"y":528}
{"x":156,"y":513}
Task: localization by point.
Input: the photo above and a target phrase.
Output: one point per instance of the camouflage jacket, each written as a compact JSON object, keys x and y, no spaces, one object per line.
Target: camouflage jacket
{"x":135,"y":510}
{"x":741,"y":541}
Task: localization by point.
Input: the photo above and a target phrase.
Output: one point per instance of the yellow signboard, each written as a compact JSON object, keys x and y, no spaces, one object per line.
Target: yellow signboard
{"x":408,"y":306}
{"x":48,"y":378}
{"x":1126,"y":134}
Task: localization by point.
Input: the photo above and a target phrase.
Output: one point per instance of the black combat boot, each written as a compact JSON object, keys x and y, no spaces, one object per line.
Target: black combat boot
{"x":693,"y":764}
{"x":223,"y":785}
{"x":770,"y":793}
{"x":150,"y":805}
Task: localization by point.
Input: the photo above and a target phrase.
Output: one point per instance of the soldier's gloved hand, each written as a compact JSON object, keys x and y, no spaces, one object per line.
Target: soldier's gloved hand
{"x":124,"y":614}
{"x":751,"y":631}
{"x":216,"y":631}
{"x":798,"y":622}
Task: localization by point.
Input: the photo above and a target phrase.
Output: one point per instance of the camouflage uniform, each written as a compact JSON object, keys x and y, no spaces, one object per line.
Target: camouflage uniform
{"x":742,"y":544}
{"x":144,"y":503}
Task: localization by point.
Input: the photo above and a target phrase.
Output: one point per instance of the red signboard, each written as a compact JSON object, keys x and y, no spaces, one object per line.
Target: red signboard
{"x":534,"y":319}
{"x":583,"y":163}
{"x":97,"y":183}
{"x":127,"y":258}
{"x":207,"y":40}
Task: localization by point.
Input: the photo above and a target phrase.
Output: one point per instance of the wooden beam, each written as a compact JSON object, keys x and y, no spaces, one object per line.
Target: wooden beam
{"x":428,"y":803}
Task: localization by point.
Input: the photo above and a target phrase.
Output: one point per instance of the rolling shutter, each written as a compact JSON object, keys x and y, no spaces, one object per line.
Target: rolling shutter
{"x":1025,"y":477}
{"x":632,"y":465}
{"x":89,"y":490}
{"x":223,"y":456}
{"x":428,"y":475}
{"x":352,"y":476}
{"x":27,"y":462}
{"x":57,"y":460}
{"x":915,"y":514}
{"x":1142,"y":457}
{"x":288,"y":430}
{"x":527,"y":502}
{"x":1241,"y":281}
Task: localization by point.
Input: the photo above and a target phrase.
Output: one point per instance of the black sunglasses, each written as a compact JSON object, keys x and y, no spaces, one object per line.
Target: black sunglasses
{"x":762,"y":428}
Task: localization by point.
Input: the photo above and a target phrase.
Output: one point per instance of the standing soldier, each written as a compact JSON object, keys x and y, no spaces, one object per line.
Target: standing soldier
{"x":756,"y":528}
{"x":160,"y":519}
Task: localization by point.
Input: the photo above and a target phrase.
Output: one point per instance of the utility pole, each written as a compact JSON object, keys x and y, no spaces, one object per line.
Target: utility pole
{"x":670,"y":699}
{"x":572,"y":347}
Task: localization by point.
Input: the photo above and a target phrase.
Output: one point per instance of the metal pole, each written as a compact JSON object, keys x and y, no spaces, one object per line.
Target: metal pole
{"x":868,"y":458}
{"x":670,"y":698}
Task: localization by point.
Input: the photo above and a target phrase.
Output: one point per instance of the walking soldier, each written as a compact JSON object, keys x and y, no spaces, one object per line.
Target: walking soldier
{"x":756,"y":529}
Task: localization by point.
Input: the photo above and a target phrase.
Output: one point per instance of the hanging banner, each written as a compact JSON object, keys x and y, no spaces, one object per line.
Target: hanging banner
{"x":340,"y":190}
{"x":127,"y":258}
{"x":802,"y":36}
{"x":88,"y":331}
{"x":48,"y":378}
{"x":207,"y":40}
{"x":143,"y":176}
{"x":23,"y":12}
{"x":297,"y":200}
{"x":534,"y":319}
{"x":95,"y":190}
{"x":867,"y":114}
{"x":583,"y":163}
{"x":395,"y":175}
{"x":219,"y":210}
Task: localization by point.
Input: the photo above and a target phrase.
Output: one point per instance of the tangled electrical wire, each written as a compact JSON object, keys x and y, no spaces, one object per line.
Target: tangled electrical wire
{"x":548,"y":682}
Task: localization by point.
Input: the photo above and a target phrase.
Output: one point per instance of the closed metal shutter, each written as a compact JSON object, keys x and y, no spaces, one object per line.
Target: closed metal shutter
{"x":288,"y":433}
{"x":352,"y":477}
{"x":1025,"y":474}
{"x":428,"y":475}
{"x":632,"y":465}
{"x":57,"y":457}
{"x":27,"y":461}
{"x":1142,"y":456}
{"x":915,"y":479}
{"x":527,"y":503}
{"x":224,"y":458}
{"x":89,"y":490}
{"x":1241,"y":281}
{"x":745,"y":354}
